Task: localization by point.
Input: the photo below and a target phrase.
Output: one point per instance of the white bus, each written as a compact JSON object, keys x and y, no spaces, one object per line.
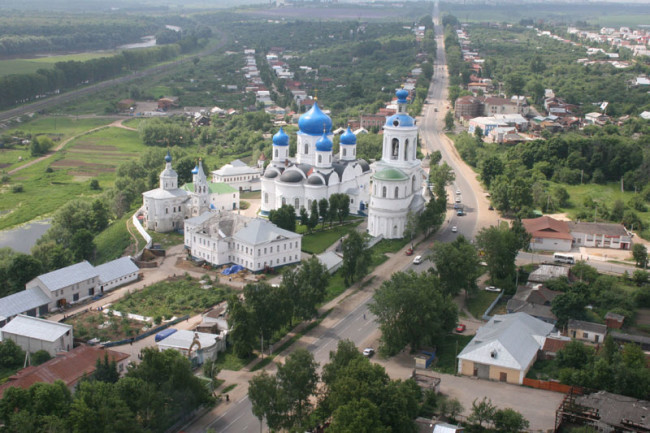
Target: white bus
{"x":563,"y":258}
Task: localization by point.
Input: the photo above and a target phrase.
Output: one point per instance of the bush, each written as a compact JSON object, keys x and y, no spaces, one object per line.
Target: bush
{"x":5,"y":178}
{"x":49,"y":170}
{"x":157,"y":320}
{"x":40,"y":357}
{"x":94,"y":184}
{"x":17,"y":188}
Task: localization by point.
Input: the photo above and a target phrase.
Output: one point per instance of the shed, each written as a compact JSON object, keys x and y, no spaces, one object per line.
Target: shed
{"x":197,"y":346}
{"x":33,"y":334}
{"x":330,"y":260}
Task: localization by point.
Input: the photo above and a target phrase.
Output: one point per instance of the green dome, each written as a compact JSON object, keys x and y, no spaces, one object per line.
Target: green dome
{"x":390,"y":174}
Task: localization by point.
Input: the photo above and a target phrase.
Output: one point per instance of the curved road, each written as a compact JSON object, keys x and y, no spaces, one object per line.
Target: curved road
{"x":93,"y":88}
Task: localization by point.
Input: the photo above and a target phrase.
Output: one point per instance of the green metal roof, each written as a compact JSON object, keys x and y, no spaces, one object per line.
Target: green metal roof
{"x":215,"y":188}
{"x":390,"y":174}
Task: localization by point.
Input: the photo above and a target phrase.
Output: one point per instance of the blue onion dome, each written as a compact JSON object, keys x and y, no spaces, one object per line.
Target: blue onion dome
{"x":348,"y":137}
{"x":168,"y":157}
{"x":195,"y":170}
{"x":313,"y":121}
{"x":400,"y":119}
{"x":324,"y":144}
{"x":281,"y":138}
{"x":401,"y":96}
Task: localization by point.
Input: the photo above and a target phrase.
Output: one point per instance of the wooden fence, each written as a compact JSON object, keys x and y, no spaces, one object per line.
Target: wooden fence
{"x":551,"y":386}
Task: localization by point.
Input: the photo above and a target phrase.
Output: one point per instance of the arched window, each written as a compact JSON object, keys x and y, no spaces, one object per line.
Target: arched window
{"x":276,"y":153}
{"x":309,"y":204}
{"x":395,"y":148}
{"x":297,"y":203}
{"x":383,"y":192}
{"x":284,"y":201}
{"x":413,"y":184}
{"x":266,"y":197}
{"x":354,"y":151}
{"x":345,"y":151}
{"x":330,"y":158}
{"x":406,"y":150}
{"x":320,"y":158}
{"x":306,"y":148}
{"x":397,"y":192}
{"x":374,"y":189}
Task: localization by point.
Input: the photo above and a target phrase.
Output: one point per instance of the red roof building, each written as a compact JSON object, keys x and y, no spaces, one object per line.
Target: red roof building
{"x":548,"y":234}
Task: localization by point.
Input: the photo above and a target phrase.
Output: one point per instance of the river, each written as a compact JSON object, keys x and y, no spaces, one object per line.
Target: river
{"x":23,"y":238}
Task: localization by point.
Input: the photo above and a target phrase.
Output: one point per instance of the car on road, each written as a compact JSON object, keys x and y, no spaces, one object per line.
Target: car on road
{"x":492,"y":289}
{"x":435,"y":109}
{"x":454,"y":229}
{"x":461,"y":327}
{"x":457,"y":199}
{"x":457,"y":192}
{"x":409,"y":252}
{"x":417,"y":260}
{"x":490,"y":207}
{"x":368,"y":352}
{"x":460,"y":212}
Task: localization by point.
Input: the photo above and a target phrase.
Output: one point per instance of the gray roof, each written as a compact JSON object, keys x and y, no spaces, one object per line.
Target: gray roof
{"x":291,"y":176}
{"x":182,"y":339}
{"x":160,"y":193}
{"x":587,"y":326}
{"x":67,"y":276}
{"x":259,"y":231}
{"x":200,"y":219}
{"x":236,"y":167}
{"x":330,"y":259}
{"x":22,"y":301}
{"x":597,"y":228}
{"x":115,"y":269}
{"x":618,"y":410}
{"x":510,"y":341}
{"x":546,"y":272}
{"x":539,"y":311}
{"x":40,"y":329}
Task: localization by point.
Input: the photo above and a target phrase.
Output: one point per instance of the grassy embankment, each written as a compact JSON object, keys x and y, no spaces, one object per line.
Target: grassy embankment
{"x":27,"y":66}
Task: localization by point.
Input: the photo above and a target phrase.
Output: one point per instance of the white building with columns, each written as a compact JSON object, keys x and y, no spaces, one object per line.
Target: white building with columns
{"x":166,"y":207}
{"x":315,"y":172}
{"x":398,"y":176}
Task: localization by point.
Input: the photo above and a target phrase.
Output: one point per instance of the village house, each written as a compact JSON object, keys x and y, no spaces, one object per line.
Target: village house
{"x":198,"y":347}
{"x":586,"y":331}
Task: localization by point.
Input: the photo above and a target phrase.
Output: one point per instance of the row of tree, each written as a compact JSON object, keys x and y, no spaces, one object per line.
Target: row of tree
{"x":151,"y":397}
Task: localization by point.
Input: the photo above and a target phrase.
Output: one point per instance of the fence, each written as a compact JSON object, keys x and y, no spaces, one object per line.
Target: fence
{"x":141,"y":230}
{"x":551,"y":386}
{"x":486,"y":315}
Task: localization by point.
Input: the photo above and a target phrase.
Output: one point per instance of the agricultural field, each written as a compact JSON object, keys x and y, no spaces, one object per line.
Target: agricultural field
{"x":105,"y":327}
{"x":27,"y":66}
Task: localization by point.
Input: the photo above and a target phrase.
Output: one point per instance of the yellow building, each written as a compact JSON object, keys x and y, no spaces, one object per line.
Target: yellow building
{"x":505,"y":348}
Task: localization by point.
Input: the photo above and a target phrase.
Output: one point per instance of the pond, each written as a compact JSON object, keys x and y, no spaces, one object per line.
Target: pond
{"x":23,"y":238}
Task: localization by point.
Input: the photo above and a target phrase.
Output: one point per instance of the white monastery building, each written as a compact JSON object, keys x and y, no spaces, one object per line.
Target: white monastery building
{"x":33,"y":334}
{"x":397,"y":179}
{"x":222,"y":238}
{"x":240,"y":175}
{"x":166,"y":207}
{"x":315,"y":173}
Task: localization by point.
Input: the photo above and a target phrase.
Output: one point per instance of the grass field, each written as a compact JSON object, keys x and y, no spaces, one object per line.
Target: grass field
{"x":319,"y":241}
{"x":112,"y":242}
{"x":478,"y":303}
{"x":26,"y":66}
{"x":450,"y":346}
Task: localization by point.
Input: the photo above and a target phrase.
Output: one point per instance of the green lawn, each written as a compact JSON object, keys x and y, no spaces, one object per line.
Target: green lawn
{"x":228,"y":361}
{"x":112,"y":242}
{"x":480,"y":302}
{"x":319,"y":241}
{"x":27,"y":66}
{"x":450,"y":346}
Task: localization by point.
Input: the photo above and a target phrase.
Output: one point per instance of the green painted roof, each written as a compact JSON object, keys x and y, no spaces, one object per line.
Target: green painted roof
{"x":390,"y":174}
{"x":215,"y":188}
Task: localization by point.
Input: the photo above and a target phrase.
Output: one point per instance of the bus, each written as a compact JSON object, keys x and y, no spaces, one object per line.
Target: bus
{"x":563,"y":258}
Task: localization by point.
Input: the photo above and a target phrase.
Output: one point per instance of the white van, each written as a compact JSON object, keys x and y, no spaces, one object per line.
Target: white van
{"x":563,"y":258}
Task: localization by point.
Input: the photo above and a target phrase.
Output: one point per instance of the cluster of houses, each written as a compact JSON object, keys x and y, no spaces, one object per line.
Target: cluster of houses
{"x":634,"y":40}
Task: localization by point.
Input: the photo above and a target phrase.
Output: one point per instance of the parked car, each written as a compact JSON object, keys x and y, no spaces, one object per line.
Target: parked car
{"x":457,"y":192}
{"x":409,"y":252}
{"x":454,"y":229}
{"x":368,"y":352}
{"x":417,"y":260}
{"x":435,"y":110}
{"x":492,"y":289}
{"x":457,"y":199}
{"x":460,"y":212}
{"x":461,"y":327}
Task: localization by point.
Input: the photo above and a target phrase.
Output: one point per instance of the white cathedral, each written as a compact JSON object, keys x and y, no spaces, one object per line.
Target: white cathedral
{"x":315,"y":173}
{"x":167,"y":207}
{"x":397,"y":178}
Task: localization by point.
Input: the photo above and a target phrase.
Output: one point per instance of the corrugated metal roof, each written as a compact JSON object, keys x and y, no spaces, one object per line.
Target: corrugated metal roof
{"x":67,"y":276}
{"x":259,"y":231}
{"x":33,"y":327}
{"x":115,"y":269}
{"x":22,"y":301}
{"x":182,"y":339}
{"x":510,"y":341}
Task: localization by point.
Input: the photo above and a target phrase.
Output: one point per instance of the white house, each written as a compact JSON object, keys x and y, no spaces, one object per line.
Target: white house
{"x":33,"y":334}
{"x":600,"y":235}
{"x":586,"y":331}
{"x":67,"y":285}
{"x":505,"y":348}
{"x":548,"y":234}
{"x":397,"y":180}
{"x":222,"y":238}
{"x":116,"y":273}
{"x":32,"y":302}
{"x":239,"y":175}
{"x":198,"y":347}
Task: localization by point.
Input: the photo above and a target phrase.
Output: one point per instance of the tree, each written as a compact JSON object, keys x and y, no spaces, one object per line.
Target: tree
{"x":340,"y":202}
{"x":306,"y":287}
{"x":39,"y":357}
{"x":500,"y":246}
{"x":97,"y":406}
{"x":491,"y":167}
{"x":482,"y":412}
{"x":510,"y":421}
{"x":52,"y":255}
{"x":570,"y":305}
{"x":298,"y":379}
{"x":574,"y":355}
{"x":514,"y":84}
{"x":41,"y":145}
{"x":323,"y":209}
{"x":312,"y":221}
{"x":411,"y":309}
{"x":267,"y":400}
{"x":268,"y":306}
{"x":11,"y":355}
{"x":100,"y":216}
{"x":22,"y":270}
{"x":452,"y":408}
{"x":356,"y":257}
{"x":242,"y":333}
{"x":449,"y":121}
{"x":640,"y":254}
{"x":304,"y":217}
{"x":457,"y":265}
{"x":94,"y":185}
{"x":361,"y":416}
{"x":284,"y":217}
{"x":82,"y":245}
{"x":411,"y":228}
{"x":106,"y":371}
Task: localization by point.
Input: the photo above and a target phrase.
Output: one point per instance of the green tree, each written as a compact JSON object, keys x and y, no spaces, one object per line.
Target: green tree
{"x":500,"y":246}
{"x":268,"y":306}
{"x":510,"y":421}
{"x":312,"y":221}
{"x":39,"y":357}
{"x":306,"y":287}
{"x":298,"y":379}
{"x":491,"y":167}
{"x":82,"y":245}
{"x":341,"y":204}
{"x":412,"y":310}
{"x":304,"y":217}
{"x":482,"y":412}
{"x":574,"y":355}
{"x":106,"y":370}
{"x":640,"y":254}
{"x":97,"y":406}
{"x":100,"y":216}
{"x":361,"y":416}
{"x":22,"y":270}
{"x":11,"y":355}
{"x":268,"y":400}
{"x":284,"y":217}
{"x":457,"y":265}
{"x":356,"y":257}
{"x":242,"y":333}
{"x":570,"y":305}
{"x":449,"y":121}
{"x":323,"y":209}
{"x":52,"y":255}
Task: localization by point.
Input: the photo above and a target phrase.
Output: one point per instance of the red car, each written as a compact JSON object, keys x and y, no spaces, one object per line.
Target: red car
{"x":461,"y":327}
{"x":409,"y":252}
